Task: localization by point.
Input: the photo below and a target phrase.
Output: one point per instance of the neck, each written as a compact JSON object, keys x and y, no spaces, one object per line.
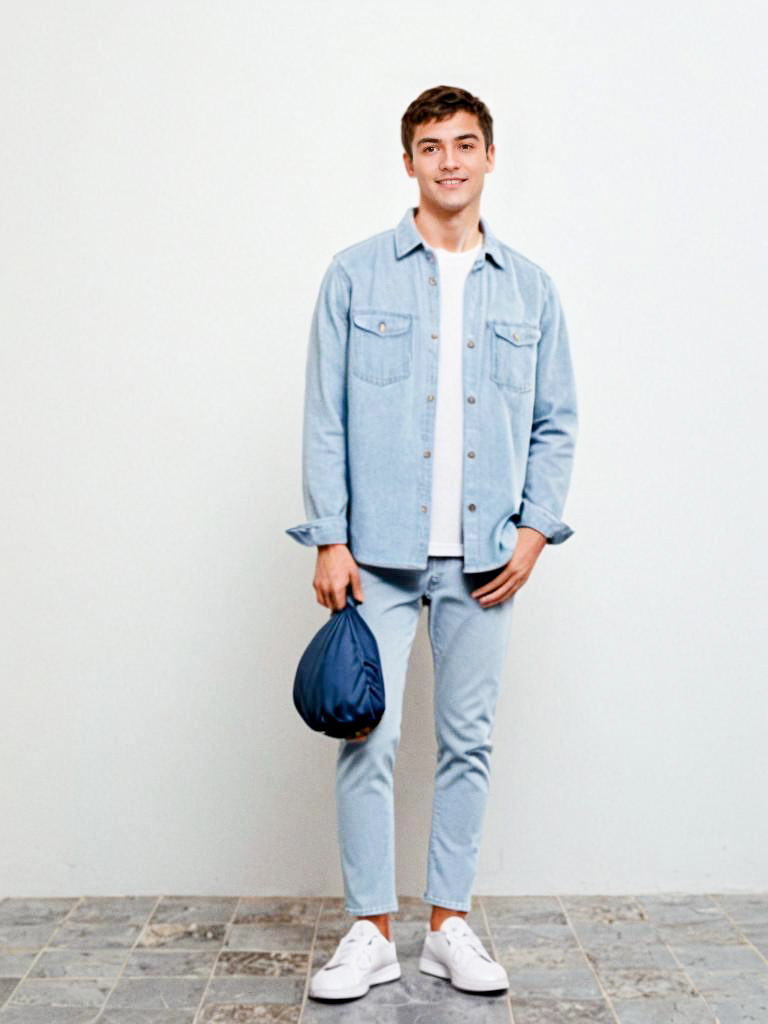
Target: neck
{"x":455,"y":231}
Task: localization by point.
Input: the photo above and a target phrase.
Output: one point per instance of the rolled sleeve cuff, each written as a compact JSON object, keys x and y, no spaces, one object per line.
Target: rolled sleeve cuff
{"x":328,"y":530}
{"x":554,"y":529}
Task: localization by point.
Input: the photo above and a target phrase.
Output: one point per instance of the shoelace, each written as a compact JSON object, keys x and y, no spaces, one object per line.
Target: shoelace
{"x":349,"y":952}
{"x":465,"y":942}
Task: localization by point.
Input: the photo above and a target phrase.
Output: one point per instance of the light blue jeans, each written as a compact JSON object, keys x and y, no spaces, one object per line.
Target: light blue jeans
{"x":468,"y":649}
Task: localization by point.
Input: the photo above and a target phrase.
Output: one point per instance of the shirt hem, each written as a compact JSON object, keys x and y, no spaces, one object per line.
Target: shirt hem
{"x":363,"y":560}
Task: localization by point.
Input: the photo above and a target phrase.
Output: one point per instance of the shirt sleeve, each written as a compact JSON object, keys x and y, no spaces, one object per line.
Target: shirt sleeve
{"x":554,"y":428}
{"x":324,"y":439}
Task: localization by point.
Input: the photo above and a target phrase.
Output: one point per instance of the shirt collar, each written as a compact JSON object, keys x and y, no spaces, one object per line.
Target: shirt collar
{"x":408,"y":237}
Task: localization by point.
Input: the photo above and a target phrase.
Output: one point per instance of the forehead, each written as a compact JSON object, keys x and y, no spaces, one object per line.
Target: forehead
{"x":457,"y":124}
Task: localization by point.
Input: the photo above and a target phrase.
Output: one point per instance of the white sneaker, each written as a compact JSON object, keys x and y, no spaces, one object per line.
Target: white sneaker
{"x":455,"y":952}
{"x":363,"y":957}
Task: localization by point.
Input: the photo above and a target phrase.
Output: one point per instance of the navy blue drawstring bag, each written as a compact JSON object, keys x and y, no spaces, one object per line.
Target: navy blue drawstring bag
{"x":339,"y":685}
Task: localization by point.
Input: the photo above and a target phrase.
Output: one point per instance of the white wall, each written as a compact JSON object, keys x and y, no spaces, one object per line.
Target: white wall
{"x":174,"y":179}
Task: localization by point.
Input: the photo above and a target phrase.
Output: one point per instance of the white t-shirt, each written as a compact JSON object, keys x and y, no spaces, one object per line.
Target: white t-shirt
{"x":445,"y":534}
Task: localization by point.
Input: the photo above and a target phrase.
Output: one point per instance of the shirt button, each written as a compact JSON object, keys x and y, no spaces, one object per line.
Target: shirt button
{"x":471,"y":455}
{"x":382,"y":326}
{"x":433,"y":280}
{"x":427,"y":453}
{"x":471,"y":508}
{"x":471,"y":399}
{"x":434,"y":337}
{"x":470,"y":343}
{"x":430,"y":398}
{"x":423,"y":508}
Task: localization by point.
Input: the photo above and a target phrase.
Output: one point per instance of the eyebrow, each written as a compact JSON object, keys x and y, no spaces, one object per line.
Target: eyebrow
{"x":466,"y":135}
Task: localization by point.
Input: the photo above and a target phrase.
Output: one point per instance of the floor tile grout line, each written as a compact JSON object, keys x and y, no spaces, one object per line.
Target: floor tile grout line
{"x":495,"y":953}
{"x":735,"y":923}
{"x":125,"y":961}
{"x":227,"y":926}
{"x":310,"y":955}
{"x":600,"y":985}
{"x":43,"y":949}
{"x":670,"y":950}
{"x":714,"y":897}
{"x":636,"y":899}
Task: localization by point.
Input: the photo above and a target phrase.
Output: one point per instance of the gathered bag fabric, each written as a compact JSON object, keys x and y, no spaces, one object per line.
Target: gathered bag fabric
{"x":339,"y":685}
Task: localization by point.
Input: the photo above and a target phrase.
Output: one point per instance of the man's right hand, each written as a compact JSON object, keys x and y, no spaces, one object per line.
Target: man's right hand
{"x":335,"y":570}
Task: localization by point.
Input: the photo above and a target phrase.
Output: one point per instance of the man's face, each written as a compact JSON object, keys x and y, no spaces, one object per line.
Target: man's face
{"x":444,"y":151}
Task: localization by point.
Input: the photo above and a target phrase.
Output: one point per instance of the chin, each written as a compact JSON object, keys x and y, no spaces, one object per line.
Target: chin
{"x":456,"y":202}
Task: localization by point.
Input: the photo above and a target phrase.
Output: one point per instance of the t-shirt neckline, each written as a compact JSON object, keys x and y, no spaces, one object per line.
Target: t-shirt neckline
{"x":461,"y":252}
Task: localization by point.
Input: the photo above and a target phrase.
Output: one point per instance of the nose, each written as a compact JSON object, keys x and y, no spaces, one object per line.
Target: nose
{"x":449,"y":163}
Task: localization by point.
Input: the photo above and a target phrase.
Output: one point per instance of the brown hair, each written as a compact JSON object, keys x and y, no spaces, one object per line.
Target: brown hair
{"x":438,"y":104}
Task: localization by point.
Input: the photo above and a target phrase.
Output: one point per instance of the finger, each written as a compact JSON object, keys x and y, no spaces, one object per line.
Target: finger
{"x":497,"y":595}
{"x":493,"y":584}
{"x":357,"y":587}
{"x":512,"y":589}
{"x":361,"y":734}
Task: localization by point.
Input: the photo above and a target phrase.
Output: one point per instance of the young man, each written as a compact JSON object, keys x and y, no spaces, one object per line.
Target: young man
{"x":439,"y":430}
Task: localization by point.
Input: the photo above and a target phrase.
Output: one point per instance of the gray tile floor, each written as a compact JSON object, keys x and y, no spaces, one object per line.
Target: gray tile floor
{"x":660,"y":959}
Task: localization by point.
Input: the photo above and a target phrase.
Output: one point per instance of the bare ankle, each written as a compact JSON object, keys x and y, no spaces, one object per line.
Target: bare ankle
{"x":380,"y":920}
{"x":439,"y":914}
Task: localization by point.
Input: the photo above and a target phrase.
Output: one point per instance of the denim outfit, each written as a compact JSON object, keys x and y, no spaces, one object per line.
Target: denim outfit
{"x":468,"y":644}
{"x":370,"y":397}
{"x":369,"y":419}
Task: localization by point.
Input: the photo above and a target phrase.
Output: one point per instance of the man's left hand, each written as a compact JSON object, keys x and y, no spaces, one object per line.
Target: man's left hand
{"x":517,"y":570}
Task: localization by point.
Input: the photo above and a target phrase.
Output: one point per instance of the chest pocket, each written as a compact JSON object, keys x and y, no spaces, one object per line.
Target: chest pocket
{"x":513,"y":354}
{"x":380,"y":346}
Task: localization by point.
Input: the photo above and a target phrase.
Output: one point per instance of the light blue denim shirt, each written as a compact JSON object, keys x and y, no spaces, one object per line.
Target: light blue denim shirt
{"x":371,"y":390}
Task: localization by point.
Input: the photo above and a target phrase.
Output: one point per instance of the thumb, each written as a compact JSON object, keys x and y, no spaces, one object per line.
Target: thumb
{"x":357,"y":587}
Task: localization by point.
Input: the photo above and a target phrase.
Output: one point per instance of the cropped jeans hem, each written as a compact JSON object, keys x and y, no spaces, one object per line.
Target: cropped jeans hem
{"x":448,"y":904}
{"x":388,"y":909}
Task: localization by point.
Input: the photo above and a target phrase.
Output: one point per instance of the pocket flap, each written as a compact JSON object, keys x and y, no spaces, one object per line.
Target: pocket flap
{"x":383,"y":323}
{"x":517,"y":334}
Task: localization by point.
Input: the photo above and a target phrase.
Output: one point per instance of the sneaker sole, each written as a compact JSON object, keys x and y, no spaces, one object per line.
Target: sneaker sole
{"x":428,"y":966}
{"x":389,"y":973}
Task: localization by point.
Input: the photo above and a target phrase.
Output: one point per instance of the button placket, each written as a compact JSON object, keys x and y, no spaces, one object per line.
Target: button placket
{"x":474,"y":297}
{"x":431,"y":353}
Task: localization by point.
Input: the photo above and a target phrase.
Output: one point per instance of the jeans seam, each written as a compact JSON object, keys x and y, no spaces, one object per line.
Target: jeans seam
{"x":437,"y":810}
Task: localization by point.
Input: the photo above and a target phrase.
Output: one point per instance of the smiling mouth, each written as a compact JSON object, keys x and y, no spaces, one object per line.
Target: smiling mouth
{"x":451,"y":182}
